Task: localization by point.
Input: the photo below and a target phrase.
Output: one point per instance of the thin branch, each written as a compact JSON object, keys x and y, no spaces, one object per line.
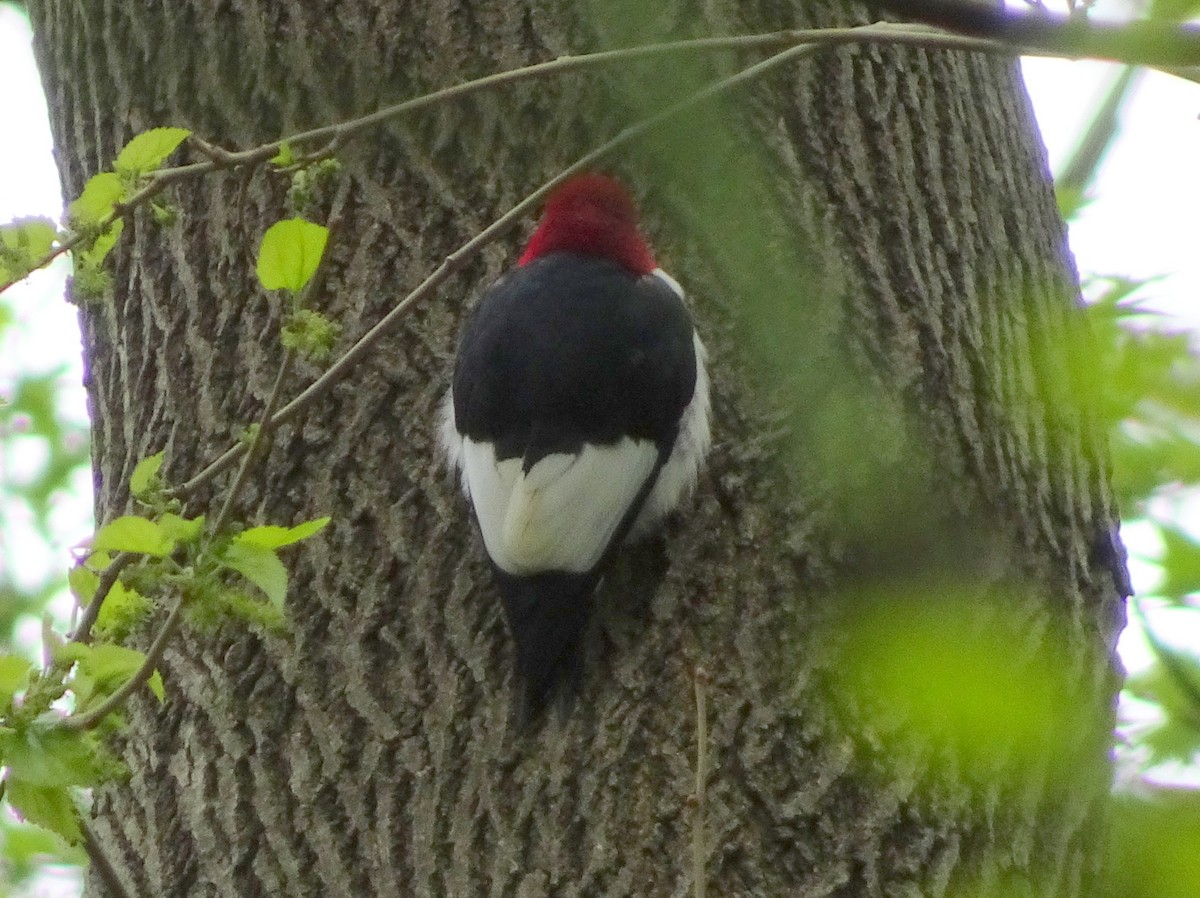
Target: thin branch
{"x":1081,"y":168}
{"x":83,"y":631}
{"x":1175,"y":49}
{"x":101,"y":863}
{"x":699,"y":840}
{"x":93,"y":718}
{"x":972,"y":26}
{"x":1141,"y":42}
{"x":257,"y":439}
{"x":1168,"y":658}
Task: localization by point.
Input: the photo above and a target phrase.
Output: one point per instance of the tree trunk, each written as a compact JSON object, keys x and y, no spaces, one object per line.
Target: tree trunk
{"x":874,"y":225}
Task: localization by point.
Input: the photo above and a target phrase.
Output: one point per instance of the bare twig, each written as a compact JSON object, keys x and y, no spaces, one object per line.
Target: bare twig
{"x":83,"y":631}
{"x":699,"y":839}
{"x":1079,"y":170}
{"x":1142,"y":42}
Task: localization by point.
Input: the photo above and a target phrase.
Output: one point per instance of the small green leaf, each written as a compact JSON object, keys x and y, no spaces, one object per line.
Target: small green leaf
{"x":124,"y":609}
{"x":261,"y":567}
{"x":100,"y":194}
{"x":285,"y":156}
{"x":51,"y":757}
{"x":155,"y":685}
{"x":83,"y":582}
{"x":289,"y":254}
{"x":130,"y":533}
{"x":274,"y":537}
{"x":149,"y":150}
{"x":30,"y":238}
{"x":102,"y":669}
{"x":28,"y":848}
{"x":182,"y":530}
{"x":1180,"y":563}
{"x":102,"y":246}
{"x":14,"y":675}
{"x":145,"y":474}
{"x":48,"y":806}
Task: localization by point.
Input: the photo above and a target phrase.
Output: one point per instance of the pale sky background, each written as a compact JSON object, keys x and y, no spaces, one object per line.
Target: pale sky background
{"x":1143,"y":223}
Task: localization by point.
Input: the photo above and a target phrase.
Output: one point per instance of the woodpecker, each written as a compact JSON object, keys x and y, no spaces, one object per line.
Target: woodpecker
{"x":578,"y":416}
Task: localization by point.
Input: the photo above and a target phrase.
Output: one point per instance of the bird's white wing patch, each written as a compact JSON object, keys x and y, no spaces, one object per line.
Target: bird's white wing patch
{"x":678,"y":476}
{"x":560,"y":516}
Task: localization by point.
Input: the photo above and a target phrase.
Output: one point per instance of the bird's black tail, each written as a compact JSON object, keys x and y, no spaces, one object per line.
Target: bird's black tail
{"x":548,"y":614}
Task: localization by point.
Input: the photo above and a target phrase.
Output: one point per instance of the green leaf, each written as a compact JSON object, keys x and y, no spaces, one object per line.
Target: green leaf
{"x":100,"y":194}
{"x":289,"y":254}
{"x":145,"y":474}
{"x":124,"y":609}
{"x":261,"y":567}
{"x":102,"y":245}
{"x":155,"y":685}
{"x":48,"y":806}
{"x":23,"y":245}
{"x":149,"y":150}
{"x":32,"y":238}
{"x":51,"y":757}
{"x":27,"y":848}
{"x":14,"y":675}
{"x":1174,"y":10}
{"x":274,"y":537}
{"x":101,"y":670}
{"x":285,"y":156}
{"x":83,"y":582}
{"x":182,"y":530}
{"x":1180,"y":563}
{"x":130,"y":533}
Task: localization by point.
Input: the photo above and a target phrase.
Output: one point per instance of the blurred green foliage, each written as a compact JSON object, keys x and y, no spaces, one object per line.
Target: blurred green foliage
{"x":42,"y":448}
{"x":33,"y":413}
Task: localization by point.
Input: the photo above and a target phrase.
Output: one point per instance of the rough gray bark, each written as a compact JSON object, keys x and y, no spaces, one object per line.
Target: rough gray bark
{"x":373,"y":753}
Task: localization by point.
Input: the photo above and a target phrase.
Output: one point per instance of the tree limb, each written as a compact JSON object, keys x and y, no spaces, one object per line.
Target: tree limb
{"x":1141,"y":42}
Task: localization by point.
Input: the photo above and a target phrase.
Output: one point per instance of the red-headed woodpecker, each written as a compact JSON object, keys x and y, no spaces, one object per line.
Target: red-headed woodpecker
{"x":578,"y":416}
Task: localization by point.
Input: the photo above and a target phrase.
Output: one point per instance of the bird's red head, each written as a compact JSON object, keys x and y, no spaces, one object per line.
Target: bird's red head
{"x":592,"y":214}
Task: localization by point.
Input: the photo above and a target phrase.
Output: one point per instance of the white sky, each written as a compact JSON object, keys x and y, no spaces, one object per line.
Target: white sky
{"x":1142,"y":223}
